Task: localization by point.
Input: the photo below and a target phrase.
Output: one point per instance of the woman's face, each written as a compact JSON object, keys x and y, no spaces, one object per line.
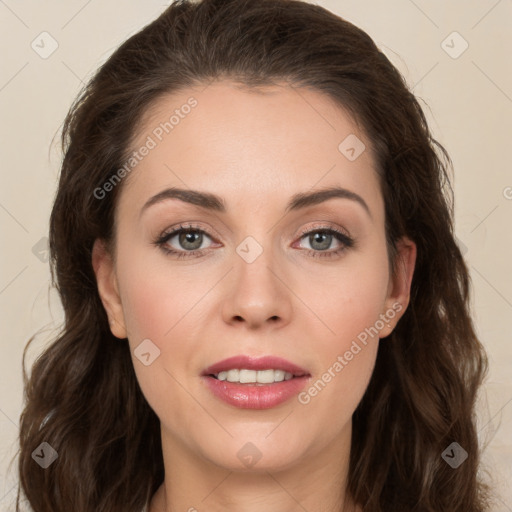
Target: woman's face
{"x":260,"y":274}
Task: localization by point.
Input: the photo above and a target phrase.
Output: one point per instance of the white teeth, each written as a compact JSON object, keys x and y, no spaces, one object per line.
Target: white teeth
{"x":255,"y":376}
{"x":265,"y":376}
{"x":247,"y":376}
{"x":278,"y":375}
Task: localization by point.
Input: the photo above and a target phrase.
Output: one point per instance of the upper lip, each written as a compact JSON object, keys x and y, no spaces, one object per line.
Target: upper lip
{"x":255,"y":363}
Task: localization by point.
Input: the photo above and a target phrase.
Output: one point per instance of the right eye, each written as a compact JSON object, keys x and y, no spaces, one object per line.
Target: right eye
{"x":189,"y":241}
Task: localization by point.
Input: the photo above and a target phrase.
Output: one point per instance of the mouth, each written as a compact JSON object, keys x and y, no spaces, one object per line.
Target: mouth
{"x":255,"y":383}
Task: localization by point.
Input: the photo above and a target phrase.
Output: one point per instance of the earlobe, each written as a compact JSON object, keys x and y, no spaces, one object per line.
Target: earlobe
{"x":399,"y":289}
{"x":107,"y":288}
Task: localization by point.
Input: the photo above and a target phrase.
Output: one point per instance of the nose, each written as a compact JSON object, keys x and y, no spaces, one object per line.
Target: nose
{"x":257,"y":293}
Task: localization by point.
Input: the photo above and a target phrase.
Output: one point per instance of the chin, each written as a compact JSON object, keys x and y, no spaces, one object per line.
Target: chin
{"x":256,"y":454}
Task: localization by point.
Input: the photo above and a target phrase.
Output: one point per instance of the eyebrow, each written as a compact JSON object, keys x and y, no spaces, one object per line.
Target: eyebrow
{"x":217,"y":204}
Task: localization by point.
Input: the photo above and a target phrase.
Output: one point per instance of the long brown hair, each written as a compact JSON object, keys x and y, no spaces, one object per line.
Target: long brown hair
{"x":83,"y":398}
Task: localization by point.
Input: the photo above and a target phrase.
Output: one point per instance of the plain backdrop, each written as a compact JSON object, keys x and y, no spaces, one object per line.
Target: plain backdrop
{"x":456,"y":57}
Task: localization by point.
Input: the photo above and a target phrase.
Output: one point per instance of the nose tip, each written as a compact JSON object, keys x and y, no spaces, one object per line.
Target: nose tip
{"x":257,"y":296}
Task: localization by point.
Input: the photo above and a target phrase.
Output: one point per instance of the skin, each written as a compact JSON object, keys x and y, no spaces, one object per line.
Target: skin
{"x":255,"y":149}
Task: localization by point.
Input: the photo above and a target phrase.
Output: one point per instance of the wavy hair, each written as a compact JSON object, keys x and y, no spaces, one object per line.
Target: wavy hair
{"x":83,"y":398}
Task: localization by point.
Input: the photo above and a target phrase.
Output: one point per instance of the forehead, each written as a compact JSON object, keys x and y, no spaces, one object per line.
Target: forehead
{"x":245,"y":144}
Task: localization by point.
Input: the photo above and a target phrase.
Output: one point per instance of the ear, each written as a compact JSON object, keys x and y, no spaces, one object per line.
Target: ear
{"x":399,"y":289}
{"x":108,"y":289}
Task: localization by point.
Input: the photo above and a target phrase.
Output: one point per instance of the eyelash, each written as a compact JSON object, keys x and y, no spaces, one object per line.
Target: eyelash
{"x":346,"y":241}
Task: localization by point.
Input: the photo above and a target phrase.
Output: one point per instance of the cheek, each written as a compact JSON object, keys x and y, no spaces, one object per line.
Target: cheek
{"x":348,"y":299}
{"x":346,"y":353}
{"x":161,"y":305}
{"x":348,"y":302}
{"x":154,"y":298}
{"x":155,"y":308}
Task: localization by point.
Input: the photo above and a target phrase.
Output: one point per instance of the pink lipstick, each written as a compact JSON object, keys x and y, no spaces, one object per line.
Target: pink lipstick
{"x":255,"y":383}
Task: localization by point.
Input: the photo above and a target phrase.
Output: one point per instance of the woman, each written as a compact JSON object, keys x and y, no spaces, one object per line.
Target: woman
{"x":266,"y":308}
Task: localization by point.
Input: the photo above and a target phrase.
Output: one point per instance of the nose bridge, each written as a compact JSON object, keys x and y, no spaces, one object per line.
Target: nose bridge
{"x":257,"y":294}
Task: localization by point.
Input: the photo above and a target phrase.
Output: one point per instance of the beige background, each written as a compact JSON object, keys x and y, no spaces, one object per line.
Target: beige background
{"x":469,"y":107}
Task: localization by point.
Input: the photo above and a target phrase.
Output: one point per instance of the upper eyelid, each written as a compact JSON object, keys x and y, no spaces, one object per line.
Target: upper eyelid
{"x":327,"y":227}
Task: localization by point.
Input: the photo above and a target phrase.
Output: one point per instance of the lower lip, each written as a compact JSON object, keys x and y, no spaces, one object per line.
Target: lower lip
{"x":253,"y":396}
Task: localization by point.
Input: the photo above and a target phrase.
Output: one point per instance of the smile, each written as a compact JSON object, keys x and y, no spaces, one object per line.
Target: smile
{"x":255,"y":383}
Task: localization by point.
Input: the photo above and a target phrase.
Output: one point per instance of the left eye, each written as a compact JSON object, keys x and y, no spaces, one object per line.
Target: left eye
{"x":322,"y":239}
